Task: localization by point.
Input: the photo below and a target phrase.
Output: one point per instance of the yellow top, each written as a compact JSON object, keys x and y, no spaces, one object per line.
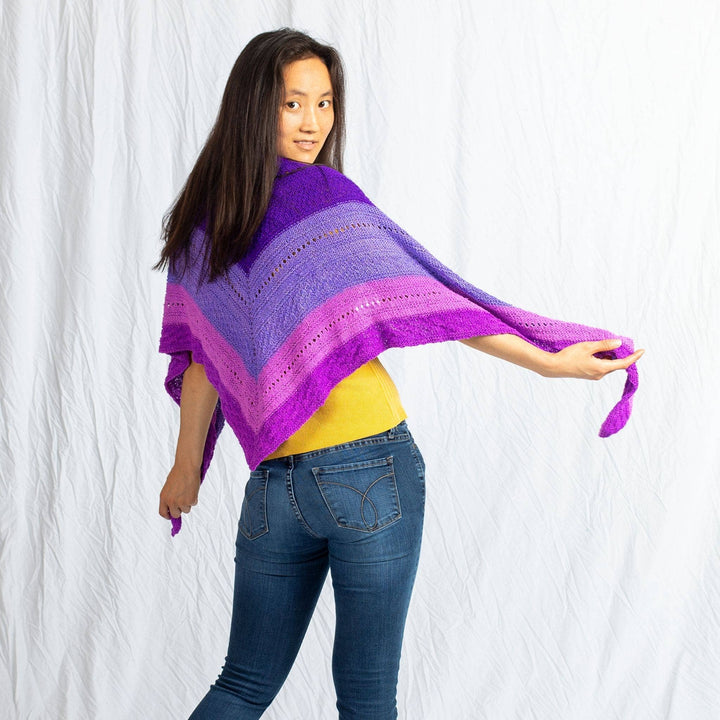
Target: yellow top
{"x":364,"y":403}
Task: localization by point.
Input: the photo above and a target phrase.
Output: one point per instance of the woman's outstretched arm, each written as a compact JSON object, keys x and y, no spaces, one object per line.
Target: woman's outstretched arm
{"x":574,"y":361}
{"x":197,"y":403}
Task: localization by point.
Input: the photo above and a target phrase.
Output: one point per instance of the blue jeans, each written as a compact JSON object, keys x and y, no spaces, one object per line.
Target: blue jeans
{"x":357,"y":509}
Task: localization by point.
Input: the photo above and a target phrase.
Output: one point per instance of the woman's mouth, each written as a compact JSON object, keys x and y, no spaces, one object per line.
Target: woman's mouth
{"x":306,"y":144}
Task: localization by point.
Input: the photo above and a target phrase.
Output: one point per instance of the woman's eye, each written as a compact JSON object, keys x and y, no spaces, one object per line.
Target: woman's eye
{"x":292,"y":105}
{"x":325,"y":103}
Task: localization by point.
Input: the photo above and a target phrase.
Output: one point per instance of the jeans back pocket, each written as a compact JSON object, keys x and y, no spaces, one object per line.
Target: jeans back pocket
{"x":253,"y":516}
{"x":362,"y":495}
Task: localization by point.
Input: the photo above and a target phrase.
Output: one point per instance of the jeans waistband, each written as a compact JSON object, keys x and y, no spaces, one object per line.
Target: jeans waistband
{"x":398,"y":433}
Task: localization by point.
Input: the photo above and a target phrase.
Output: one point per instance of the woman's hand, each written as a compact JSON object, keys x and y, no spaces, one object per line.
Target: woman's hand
{"x":579,"y":361}
{"x":180,"y":492}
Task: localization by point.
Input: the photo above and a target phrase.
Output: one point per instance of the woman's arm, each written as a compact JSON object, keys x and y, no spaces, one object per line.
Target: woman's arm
{"x":574,"y":361}
{"x":197,"y":403}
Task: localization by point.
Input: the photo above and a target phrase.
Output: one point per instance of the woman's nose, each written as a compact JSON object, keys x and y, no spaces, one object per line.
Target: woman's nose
{"x":309,"y":120}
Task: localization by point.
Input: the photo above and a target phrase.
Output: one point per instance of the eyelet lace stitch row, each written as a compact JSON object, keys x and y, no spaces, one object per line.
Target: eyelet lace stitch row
{"x":306,"y":244}
{"x":332,"y":323}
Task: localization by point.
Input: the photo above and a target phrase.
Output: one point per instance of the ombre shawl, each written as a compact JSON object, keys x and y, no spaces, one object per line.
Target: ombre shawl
{"x":329,"y":283}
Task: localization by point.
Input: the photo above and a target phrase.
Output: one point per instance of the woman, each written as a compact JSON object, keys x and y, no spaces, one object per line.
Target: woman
{"x":285,"y":284}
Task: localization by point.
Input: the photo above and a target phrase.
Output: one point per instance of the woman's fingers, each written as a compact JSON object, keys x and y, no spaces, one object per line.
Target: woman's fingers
{"x":601,"y":346}
{"x":591,"y":360}
{"x":174,"y":508}
{"x":179,"y":493}
{"x":173,"y":511}
{"x":608,"y":366}
{"x":630,"y":359}
{"x":597,"y":346}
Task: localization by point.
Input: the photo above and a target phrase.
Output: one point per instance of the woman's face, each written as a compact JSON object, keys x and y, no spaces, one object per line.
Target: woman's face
{"x":306,"y":115}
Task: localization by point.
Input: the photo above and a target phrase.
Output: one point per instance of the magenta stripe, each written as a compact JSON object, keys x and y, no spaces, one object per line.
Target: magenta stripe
{"x":325,"y":348}
{"x":391,"y":310}
{"x":369,"y":343}
{"x":325,"y":328}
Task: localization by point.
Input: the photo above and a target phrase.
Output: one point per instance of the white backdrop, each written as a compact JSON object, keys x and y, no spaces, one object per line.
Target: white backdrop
{"x":563,"y":156}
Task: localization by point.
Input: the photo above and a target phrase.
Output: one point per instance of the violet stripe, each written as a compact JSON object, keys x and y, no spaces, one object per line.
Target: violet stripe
{"x":318,"y":224}
{"x":308,"y":285}
{"x":320,"y":281}
{"x":321,"y":225}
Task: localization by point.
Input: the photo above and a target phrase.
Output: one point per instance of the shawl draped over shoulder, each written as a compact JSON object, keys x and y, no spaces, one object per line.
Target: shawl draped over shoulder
{"x":330,"y":282}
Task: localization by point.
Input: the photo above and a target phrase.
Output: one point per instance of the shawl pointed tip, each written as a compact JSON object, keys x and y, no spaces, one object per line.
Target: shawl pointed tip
{"x":617,"y":419}
{"x":620,"y":414}
{"x":176,"y":526}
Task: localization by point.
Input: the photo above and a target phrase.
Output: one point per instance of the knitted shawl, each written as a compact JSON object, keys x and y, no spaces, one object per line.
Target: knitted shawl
{"x":329,"y":283}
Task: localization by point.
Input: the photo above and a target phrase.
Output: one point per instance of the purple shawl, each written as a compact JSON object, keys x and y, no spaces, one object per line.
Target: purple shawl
{"x":329,"y":283}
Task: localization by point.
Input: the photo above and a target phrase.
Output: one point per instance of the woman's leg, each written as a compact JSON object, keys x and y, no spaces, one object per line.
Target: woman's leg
{"x":279,"y":572}
{"x":372,"y":580}
{"x":373,"y":500}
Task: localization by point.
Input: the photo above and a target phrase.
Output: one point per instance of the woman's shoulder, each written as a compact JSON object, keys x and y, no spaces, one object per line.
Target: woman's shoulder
{"x":322,"y":181}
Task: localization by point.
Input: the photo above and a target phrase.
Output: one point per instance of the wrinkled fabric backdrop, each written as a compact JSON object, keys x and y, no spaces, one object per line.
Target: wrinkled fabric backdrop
{"x":562,"y":156}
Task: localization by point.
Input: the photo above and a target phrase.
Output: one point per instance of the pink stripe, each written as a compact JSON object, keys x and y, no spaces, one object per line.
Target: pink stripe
{"x":318,"y":335}
{"x":229,"y":366}
{"x":325,"y":329}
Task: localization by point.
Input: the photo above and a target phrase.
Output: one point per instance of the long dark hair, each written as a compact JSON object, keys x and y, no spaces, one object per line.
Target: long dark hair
{"x":230,"y":186}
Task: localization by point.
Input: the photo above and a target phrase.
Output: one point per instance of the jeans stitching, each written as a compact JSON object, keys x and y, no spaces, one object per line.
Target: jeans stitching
{"x":246,"y":527}
{"x":364,"y":498}
{"x":420,"y":465}
{"x":353,"y":444}
{"x":352,"y":467}
{"x":294,"y":505}
{"x":318,"y":472}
